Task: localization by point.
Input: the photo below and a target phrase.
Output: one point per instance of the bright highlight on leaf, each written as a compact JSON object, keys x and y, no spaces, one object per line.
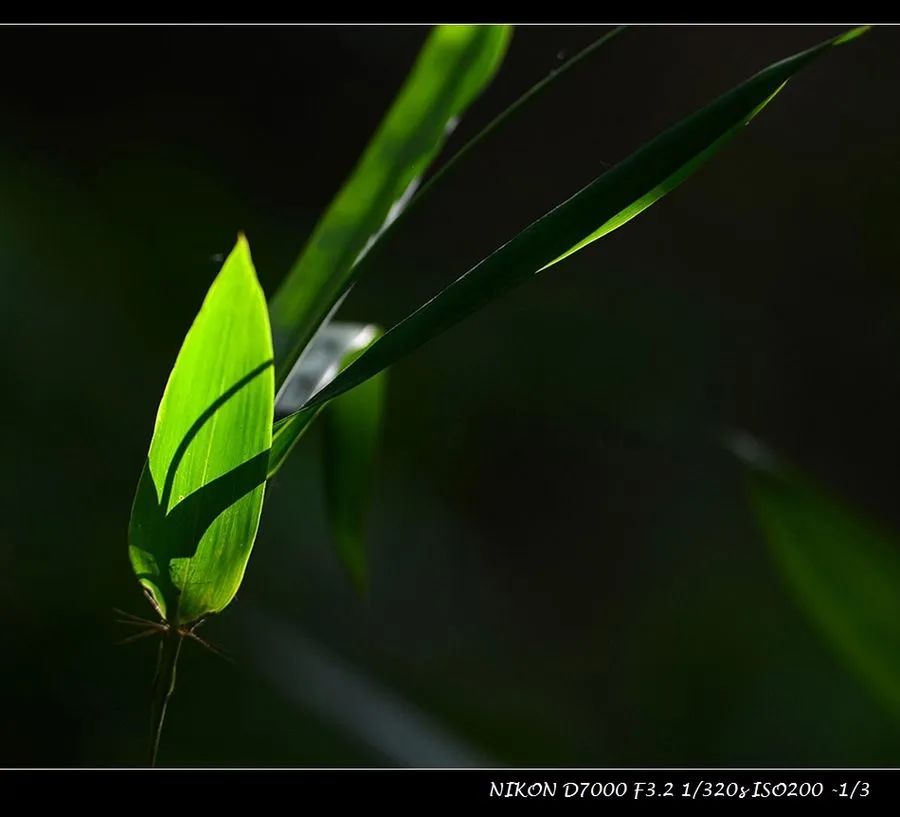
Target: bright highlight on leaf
{"x":199,"y":498}
{"x":843,"y":568}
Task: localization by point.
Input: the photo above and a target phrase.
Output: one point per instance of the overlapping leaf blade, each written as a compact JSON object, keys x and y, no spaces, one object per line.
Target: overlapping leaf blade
{"x":352,"y":433}
{"x":286,"y":433}
{"x":604,"y":205}
{"x":199,"y":498}
{"x":843,"y":569}
{"x":334,"y":347}
{"x":454,"y":66}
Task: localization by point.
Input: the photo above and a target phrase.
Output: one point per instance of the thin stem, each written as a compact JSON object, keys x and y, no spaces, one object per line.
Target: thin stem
{"x":163,"y":686}
{"x":208,"y":646}
{"x":151,"y":625}
{"x":138,"y":636}
{"x":131,"y":616}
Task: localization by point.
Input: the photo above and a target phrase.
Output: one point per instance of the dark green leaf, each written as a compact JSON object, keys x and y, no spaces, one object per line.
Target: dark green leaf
{"x":455,"y":65}
{"x":352,"y":433}
{"x":352,"y":430}
{"x":606,"y":204}
{"x":843,"y":568}
{"x":199,"y":498}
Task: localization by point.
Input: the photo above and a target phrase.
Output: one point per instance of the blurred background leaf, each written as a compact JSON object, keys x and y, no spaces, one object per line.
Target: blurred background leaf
{"x":843,"y":569}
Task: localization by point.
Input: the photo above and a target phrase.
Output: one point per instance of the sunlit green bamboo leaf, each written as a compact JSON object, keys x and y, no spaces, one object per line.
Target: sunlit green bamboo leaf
{"x":454,"y":66}
{"x":843,"y":568}
{"x":607,"y":203}
{"x":199,"y":498}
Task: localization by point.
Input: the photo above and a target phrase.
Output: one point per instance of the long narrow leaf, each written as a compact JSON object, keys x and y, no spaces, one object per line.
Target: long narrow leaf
{"x":455,"y":65}
{"x":199,"y":498}
{"x":606,"y":204}
{"x":843,"y":569}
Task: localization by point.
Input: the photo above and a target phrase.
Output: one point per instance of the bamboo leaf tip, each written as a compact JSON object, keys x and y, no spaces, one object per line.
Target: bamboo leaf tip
{"x":852,"y":34}
{"x":242,"y":246}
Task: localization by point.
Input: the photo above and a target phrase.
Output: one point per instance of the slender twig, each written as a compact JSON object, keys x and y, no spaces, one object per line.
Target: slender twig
{"x":146,"y":624}
{"x":169,"y":651}
{"x":132,"y":616}
{"x":163,"y":686}
{"x":137,"y":636}
{"x":153,"y":604}
{"x":212,"y":648}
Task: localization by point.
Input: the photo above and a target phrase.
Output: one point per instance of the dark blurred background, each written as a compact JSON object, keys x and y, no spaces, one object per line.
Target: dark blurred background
{"x":564,"y":570}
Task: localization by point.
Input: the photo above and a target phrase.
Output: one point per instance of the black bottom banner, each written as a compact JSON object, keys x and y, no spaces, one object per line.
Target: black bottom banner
{"x":569,"y":787}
